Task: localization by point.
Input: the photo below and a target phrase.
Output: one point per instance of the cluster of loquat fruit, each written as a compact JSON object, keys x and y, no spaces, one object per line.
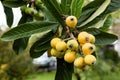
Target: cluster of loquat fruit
{"x":82,"y":45}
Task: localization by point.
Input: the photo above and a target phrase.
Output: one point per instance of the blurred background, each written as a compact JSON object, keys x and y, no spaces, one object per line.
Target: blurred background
{"x":23,"y":67}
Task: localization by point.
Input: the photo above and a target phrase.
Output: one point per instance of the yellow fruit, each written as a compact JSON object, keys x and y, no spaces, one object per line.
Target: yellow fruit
{"x":71,"y":21}
{"x":54,"y":41}
{"x":89,"y":59}
{"x":56,"y":53}
{"x":92,"y":38}
{"x":61,"y":46}
{"x":69,"y":56}
{"x":79,"y":62}
{"x":72,"y":45}
{"x":83,"y":37}
{"x":88,"y":48}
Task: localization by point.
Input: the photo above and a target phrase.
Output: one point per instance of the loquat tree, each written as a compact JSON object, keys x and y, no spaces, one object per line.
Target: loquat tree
{"x":66,"y":29}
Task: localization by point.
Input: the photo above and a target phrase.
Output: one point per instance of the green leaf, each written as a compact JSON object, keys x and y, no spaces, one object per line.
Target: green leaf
{"x":9,"y":15}
{"x":105,"y":38}
{"x":27,"y":29}
{"x":102,"y":38}
{"x":89,"y":9}
{"x":108,"y":22}
{"x":52,"y":8}
{"x":20,"y":44}
{"x":114,"y":5}
{"x":65,"y":5}
{"x":100,"y":10}
{"x":56,"y":5}
{"x":41,"y":45}
{"x":47,"y":14}
{"x":76,"y":7}
{"x":14,"y":3}
{"x":93,"y":22}
{"x":64,"y":70}
{"x":85,"y":15}
{"x":93,"y":4}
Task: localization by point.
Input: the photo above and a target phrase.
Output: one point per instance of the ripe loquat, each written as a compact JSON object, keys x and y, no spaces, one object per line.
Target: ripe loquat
{"x":88,"y":48}
{"x":83,"y":37}
{"x":54,"y":41}
{"x":89,"y":59}
{"x":72,"y":45}
{"x":69,"y":56}
{"x":92,"y":38}
{"x":61,"y":46}
{"x":71,"y":21}
{"x":56,"y":53}
{"x":79,"y":62}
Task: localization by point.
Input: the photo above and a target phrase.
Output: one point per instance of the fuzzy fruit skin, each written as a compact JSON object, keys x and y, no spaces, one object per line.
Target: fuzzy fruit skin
{"x":69,"y":56}
{"x":72,"y":45}
{"x":54,"y":41}
{"x":79,"y":62}
{"x":88,"y":48}
{"x":56,"y":53}
{"x":71,"y":21}
{"x":92,"y":38}
{"x":90,"y":59}
{"x":61,"y":46}
{"x":83,"y":37}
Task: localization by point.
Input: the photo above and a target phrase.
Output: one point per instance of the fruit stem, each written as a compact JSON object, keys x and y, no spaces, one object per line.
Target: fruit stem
{"x":73,"y":37}
{"x":67,"y":39}
{"x":69,"y":32}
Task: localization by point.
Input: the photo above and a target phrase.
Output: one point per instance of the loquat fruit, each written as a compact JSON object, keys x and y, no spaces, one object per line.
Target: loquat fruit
{"x":79,"y":62}
{"x":69,"y":56}
{"x":61,"y":46}
{"x":83,"y":37}
{"x":89,"y":59}
{"x":54,"y":41}
{"x":92,"y":38}
{"x":88,"y":48}
{"x":56,"y":53}
{"x":72,"y":45}
{"x":71,"y":21}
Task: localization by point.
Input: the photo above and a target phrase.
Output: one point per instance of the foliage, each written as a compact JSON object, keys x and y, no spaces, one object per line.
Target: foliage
{"x":107,"y":70}
{"x":13,"y":66}
{"x":46,"y":16}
